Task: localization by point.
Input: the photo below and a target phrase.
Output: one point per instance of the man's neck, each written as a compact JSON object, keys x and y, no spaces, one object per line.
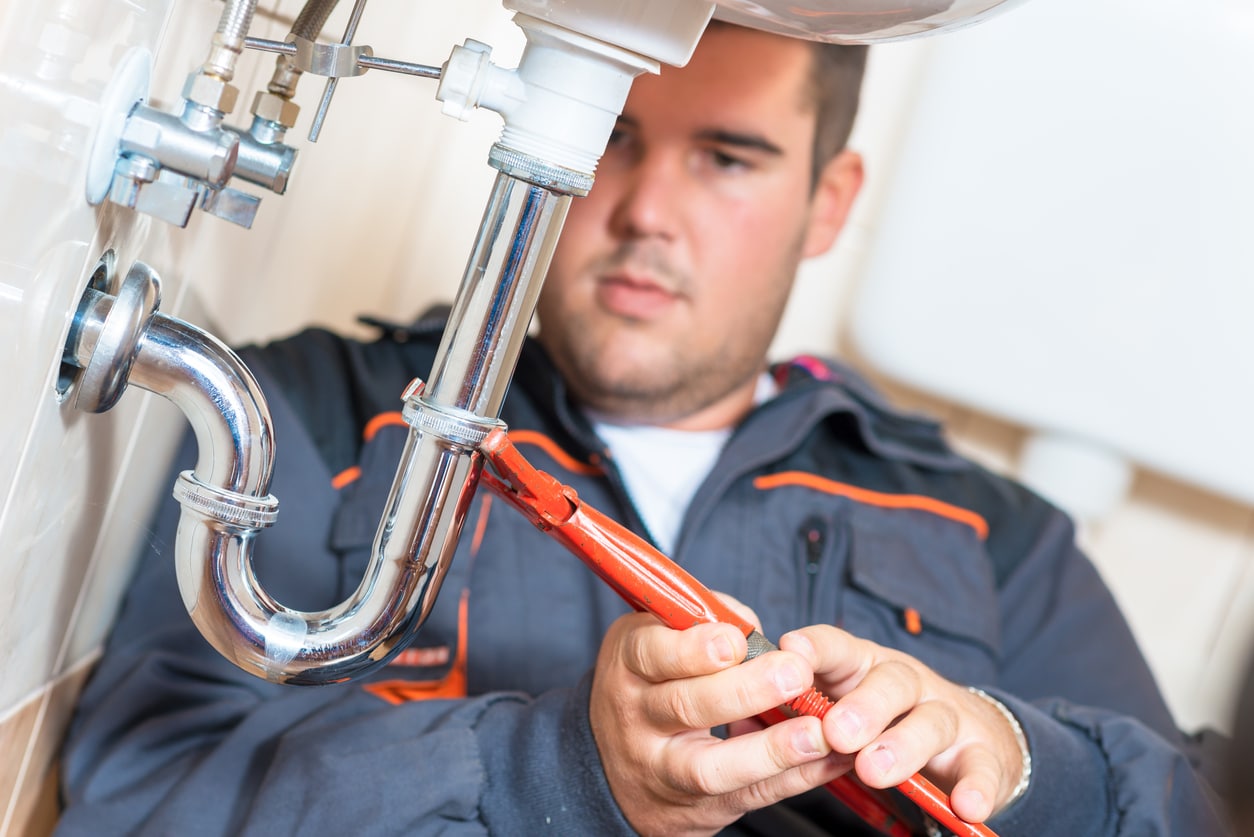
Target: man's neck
{"x":723,"y":414}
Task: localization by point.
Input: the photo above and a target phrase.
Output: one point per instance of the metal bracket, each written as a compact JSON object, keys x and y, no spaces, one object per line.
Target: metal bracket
{"x":331,"y":60}
{"x":336,"y":61}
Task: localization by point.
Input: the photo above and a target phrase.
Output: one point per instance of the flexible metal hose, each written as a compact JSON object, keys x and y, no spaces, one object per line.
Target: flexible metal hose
{"x":228,"y":41}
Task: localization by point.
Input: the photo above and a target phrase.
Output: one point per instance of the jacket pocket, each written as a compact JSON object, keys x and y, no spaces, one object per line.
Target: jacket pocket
{"x":926,"y":589}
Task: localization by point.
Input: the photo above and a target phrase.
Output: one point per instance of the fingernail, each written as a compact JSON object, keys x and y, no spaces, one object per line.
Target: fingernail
{"x":807,"y":741}
{"x":721,"y":650}
{"x":788,"y":678}
{"x":849,"y":724}
{"x":882,"y":759}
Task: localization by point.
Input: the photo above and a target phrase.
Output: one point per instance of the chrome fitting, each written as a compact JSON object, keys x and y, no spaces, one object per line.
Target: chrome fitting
{"x":557,"y":179}
{"x":274,"y":108}
{"x":107,"y":369}
{"x":205,"y":155}
{"x":230,"y":508}
{"x":130,"y":174}
{"x":210,"y":91}
{"x":455,"y":426}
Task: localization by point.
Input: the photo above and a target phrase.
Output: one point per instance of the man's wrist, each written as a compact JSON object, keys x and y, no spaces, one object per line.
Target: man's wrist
{"x":1025,"y":752}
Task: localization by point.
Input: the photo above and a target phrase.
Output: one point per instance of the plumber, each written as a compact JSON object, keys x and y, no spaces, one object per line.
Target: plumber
{"x":946,"y":609}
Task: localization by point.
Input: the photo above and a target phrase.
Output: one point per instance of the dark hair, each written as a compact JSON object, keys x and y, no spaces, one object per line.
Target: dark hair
{"x":835,"y":85}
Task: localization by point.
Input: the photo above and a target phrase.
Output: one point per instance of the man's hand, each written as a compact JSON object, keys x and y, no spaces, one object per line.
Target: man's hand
{"x":900,"y":717}
{"x":656,"y":694}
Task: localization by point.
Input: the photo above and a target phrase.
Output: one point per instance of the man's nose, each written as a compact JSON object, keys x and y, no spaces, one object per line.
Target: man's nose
{"x":650,"y":199}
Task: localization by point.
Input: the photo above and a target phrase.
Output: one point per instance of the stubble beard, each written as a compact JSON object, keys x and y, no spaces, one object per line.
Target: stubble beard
{"x":658,"y":381}
{"x":674,"y":376}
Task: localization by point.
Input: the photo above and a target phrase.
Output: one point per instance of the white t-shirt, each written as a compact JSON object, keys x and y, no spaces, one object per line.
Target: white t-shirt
{"x":663,"y":467}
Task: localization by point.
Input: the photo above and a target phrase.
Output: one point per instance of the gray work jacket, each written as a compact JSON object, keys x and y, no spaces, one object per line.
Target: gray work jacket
{"x":826,"y":506}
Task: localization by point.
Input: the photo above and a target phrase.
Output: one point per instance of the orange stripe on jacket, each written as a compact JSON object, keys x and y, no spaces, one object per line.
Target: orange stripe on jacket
{"x":875,"y":498}
{"x":451,"y":685}
{"x":382,"y":420}
{"x":532,"y":437}
{"x":345,"y":477}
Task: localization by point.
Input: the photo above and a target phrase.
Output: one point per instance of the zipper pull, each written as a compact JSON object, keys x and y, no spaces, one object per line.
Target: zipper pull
{"x":813,"y":544}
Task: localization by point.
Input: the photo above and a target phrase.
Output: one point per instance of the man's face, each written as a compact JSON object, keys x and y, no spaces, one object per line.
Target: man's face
{"x":671,"y":276}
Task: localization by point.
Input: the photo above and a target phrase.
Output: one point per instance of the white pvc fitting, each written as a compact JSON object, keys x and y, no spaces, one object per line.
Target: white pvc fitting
{"x":560,"y":105}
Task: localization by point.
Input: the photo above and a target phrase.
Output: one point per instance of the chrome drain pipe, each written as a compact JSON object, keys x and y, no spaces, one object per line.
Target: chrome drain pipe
{"x":225,"y":501}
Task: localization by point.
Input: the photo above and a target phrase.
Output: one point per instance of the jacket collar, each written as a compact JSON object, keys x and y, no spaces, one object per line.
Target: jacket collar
{"x":813,"y":391}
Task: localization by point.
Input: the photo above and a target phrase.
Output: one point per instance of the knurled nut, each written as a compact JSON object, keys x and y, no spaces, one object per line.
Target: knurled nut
{"x":457,"y":427}
{"x":538,"y":172}
{"x":225,"y":506}
{"x":757,"y":645}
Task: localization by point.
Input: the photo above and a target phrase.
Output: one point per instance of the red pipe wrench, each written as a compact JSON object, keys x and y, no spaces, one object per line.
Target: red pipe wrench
{"x":650,"y":581}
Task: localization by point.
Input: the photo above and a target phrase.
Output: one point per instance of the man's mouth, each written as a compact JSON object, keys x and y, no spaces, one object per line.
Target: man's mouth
{"x":634,"y":296}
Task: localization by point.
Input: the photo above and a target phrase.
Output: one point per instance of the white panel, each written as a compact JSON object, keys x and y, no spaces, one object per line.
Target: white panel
{"x":1175,"y":559}
{"x":56,"y":464}
{"x":1067,"y":242}
{"x":76,"y":490}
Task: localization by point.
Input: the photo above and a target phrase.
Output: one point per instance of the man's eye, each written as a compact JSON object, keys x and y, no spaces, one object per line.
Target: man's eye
{"x":618,"y":138}
{"x":728,"y":162}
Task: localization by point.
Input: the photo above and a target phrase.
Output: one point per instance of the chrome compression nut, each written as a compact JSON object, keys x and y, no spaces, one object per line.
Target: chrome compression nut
{"x":273,"y":108}
{"x":210,"y":91}
{"x":228,"y":508}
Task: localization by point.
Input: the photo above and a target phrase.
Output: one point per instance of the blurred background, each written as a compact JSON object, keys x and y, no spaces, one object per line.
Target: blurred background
{"x":1051,"y":255}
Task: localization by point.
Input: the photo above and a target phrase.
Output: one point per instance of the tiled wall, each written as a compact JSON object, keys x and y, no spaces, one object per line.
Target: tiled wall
{"x":398,"y":240}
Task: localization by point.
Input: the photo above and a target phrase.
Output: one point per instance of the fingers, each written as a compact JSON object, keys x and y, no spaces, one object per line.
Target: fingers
{"x":906,"y":747}
{"x":656,"y":653}
{"x":842,"y":659}
{"x":727,"y":696}
{"x":901,"y":718}
{"x":720,"y":767}
{"x":975,"y":795}
{"x":657,"y":692}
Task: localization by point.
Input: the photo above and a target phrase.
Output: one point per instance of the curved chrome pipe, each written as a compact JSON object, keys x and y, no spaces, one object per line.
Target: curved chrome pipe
{"x":225,"y":500}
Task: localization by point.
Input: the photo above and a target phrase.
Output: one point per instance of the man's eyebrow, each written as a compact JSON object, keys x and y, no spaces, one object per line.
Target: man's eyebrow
{"x":740,"y":140}
{"x":722,"y":136}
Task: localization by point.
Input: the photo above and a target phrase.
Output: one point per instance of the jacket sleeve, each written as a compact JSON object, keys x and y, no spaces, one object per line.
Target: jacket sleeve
{"x":170,"y":738}
{"x":167,"y":743}
{"x":1107,"y":757}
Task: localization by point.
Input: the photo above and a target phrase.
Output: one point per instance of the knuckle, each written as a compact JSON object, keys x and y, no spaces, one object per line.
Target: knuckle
{"x":682,"y":708}
{"x":700,"y":778}
{"x":756,"y":796}
{"x":902,"y":673}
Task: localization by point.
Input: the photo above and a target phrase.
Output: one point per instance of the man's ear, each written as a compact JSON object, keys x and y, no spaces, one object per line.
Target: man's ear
{"x":838,"y":186}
